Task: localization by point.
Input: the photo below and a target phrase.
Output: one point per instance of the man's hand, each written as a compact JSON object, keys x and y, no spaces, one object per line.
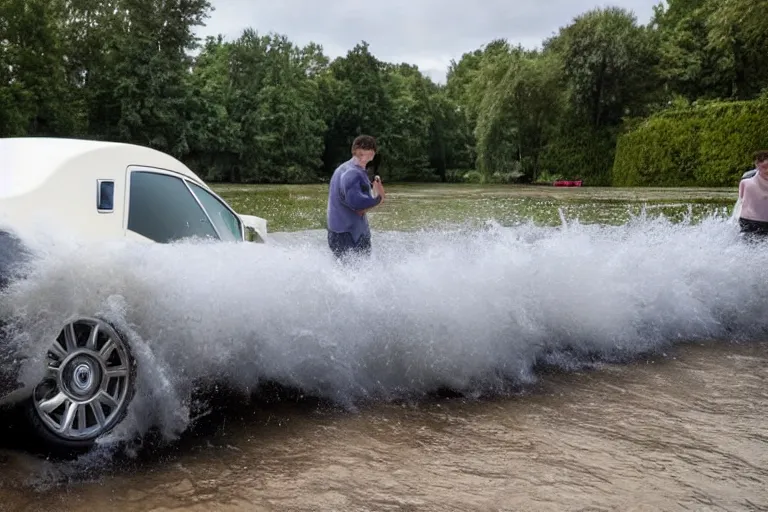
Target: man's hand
{"x":378,"y":187}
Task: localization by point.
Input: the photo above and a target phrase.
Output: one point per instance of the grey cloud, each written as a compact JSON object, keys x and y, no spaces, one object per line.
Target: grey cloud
{"x":428,"y":33}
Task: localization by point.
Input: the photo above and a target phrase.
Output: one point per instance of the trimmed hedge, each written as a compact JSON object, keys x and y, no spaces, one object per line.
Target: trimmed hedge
{"x":709,"y":146}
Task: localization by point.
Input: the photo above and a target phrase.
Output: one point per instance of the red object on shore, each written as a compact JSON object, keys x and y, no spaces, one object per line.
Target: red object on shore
{"x":567,"y":183}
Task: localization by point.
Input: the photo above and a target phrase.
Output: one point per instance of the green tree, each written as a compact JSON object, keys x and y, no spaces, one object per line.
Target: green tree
{"x":689,"y":66}
{"x":35,"y":96}
{"x":150,"y":62}
{"x":452,"y":145}
{"x":356,"y":101}
{"x":276,"y":105}
{"x":737,"y":30}
{"x":518,"y":114}
{"x":609,"y":62}
{"x":215,"y":137}
{"x":406,"y":139}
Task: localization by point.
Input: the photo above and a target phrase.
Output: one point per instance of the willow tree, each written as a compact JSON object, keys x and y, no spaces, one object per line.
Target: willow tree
{"x":521,"y":104}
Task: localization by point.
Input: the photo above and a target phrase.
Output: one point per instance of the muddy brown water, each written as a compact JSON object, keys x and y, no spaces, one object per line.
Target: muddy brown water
{"x":688,"y":432}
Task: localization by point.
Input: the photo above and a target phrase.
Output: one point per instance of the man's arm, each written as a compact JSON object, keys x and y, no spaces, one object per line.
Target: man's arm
{"x":379,"y":192}
{"x":353,"y":186}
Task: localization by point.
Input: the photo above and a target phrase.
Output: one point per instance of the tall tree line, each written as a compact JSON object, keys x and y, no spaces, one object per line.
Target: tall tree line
{"x":261,"y":109}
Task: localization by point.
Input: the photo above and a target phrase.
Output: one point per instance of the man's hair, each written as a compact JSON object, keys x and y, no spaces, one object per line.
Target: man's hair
{"x":364,"y":142}
{"x":761,"y":156}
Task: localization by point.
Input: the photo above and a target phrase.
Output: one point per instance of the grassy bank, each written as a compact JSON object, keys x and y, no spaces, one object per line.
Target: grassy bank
{"x":415,"y":206}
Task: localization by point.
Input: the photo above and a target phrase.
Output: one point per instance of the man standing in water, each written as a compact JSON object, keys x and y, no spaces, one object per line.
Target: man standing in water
{"x":753,"y":194}
{"x":349,"y":198}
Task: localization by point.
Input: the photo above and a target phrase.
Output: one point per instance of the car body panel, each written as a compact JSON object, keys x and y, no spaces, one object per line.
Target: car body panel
{"x":42,"y":179}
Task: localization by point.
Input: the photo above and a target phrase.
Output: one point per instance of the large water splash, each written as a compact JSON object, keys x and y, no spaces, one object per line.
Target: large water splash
{"x":471,"y":310}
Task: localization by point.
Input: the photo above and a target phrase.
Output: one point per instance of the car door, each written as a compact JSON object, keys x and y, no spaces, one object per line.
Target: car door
{"x":161,"y":207}
{"x":225,"y":220}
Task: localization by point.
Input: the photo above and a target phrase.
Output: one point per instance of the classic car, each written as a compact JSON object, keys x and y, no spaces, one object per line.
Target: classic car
{"x":96,"y":191}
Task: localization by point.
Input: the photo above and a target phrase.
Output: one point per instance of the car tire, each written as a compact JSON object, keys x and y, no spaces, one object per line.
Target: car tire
{"x":89,"y":384}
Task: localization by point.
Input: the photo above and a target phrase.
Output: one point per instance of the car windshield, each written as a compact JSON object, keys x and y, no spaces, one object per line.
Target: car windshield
{"x":226,"y":222}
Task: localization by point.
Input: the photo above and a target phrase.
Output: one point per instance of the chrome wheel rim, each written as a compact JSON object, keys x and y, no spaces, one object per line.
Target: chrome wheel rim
{"x":88,"y":381}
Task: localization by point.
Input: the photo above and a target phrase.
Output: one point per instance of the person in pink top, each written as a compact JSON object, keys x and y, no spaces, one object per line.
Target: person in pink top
{"x":753,"y":194}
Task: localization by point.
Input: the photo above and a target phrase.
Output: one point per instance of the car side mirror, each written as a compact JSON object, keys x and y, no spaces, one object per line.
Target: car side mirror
{"x":251,"y":235}
{"x":255,"y":228}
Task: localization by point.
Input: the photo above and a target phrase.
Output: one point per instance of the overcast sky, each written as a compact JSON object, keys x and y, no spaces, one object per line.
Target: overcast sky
{"x":428,"y":33}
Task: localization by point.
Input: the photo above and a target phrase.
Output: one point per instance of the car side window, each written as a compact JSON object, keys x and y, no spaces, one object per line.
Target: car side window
{"x":226,"y":222}
{"x":105,"y":196}
{"x":162,"y":208}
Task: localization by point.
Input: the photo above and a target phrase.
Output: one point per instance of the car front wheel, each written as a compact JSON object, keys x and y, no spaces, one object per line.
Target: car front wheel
{"x":88,"y":385}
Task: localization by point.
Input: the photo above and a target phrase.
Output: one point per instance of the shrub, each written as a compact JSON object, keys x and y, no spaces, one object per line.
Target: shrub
{"x":707,"y":145}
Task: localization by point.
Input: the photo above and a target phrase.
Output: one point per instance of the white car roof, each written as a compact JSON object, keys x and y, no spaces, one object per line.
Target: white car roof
{"x":27,"y":162}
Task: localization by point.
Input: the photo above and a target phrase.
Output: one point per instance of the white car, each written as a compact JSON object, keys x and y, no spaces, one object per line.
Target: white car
{"x":102,"y":191}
